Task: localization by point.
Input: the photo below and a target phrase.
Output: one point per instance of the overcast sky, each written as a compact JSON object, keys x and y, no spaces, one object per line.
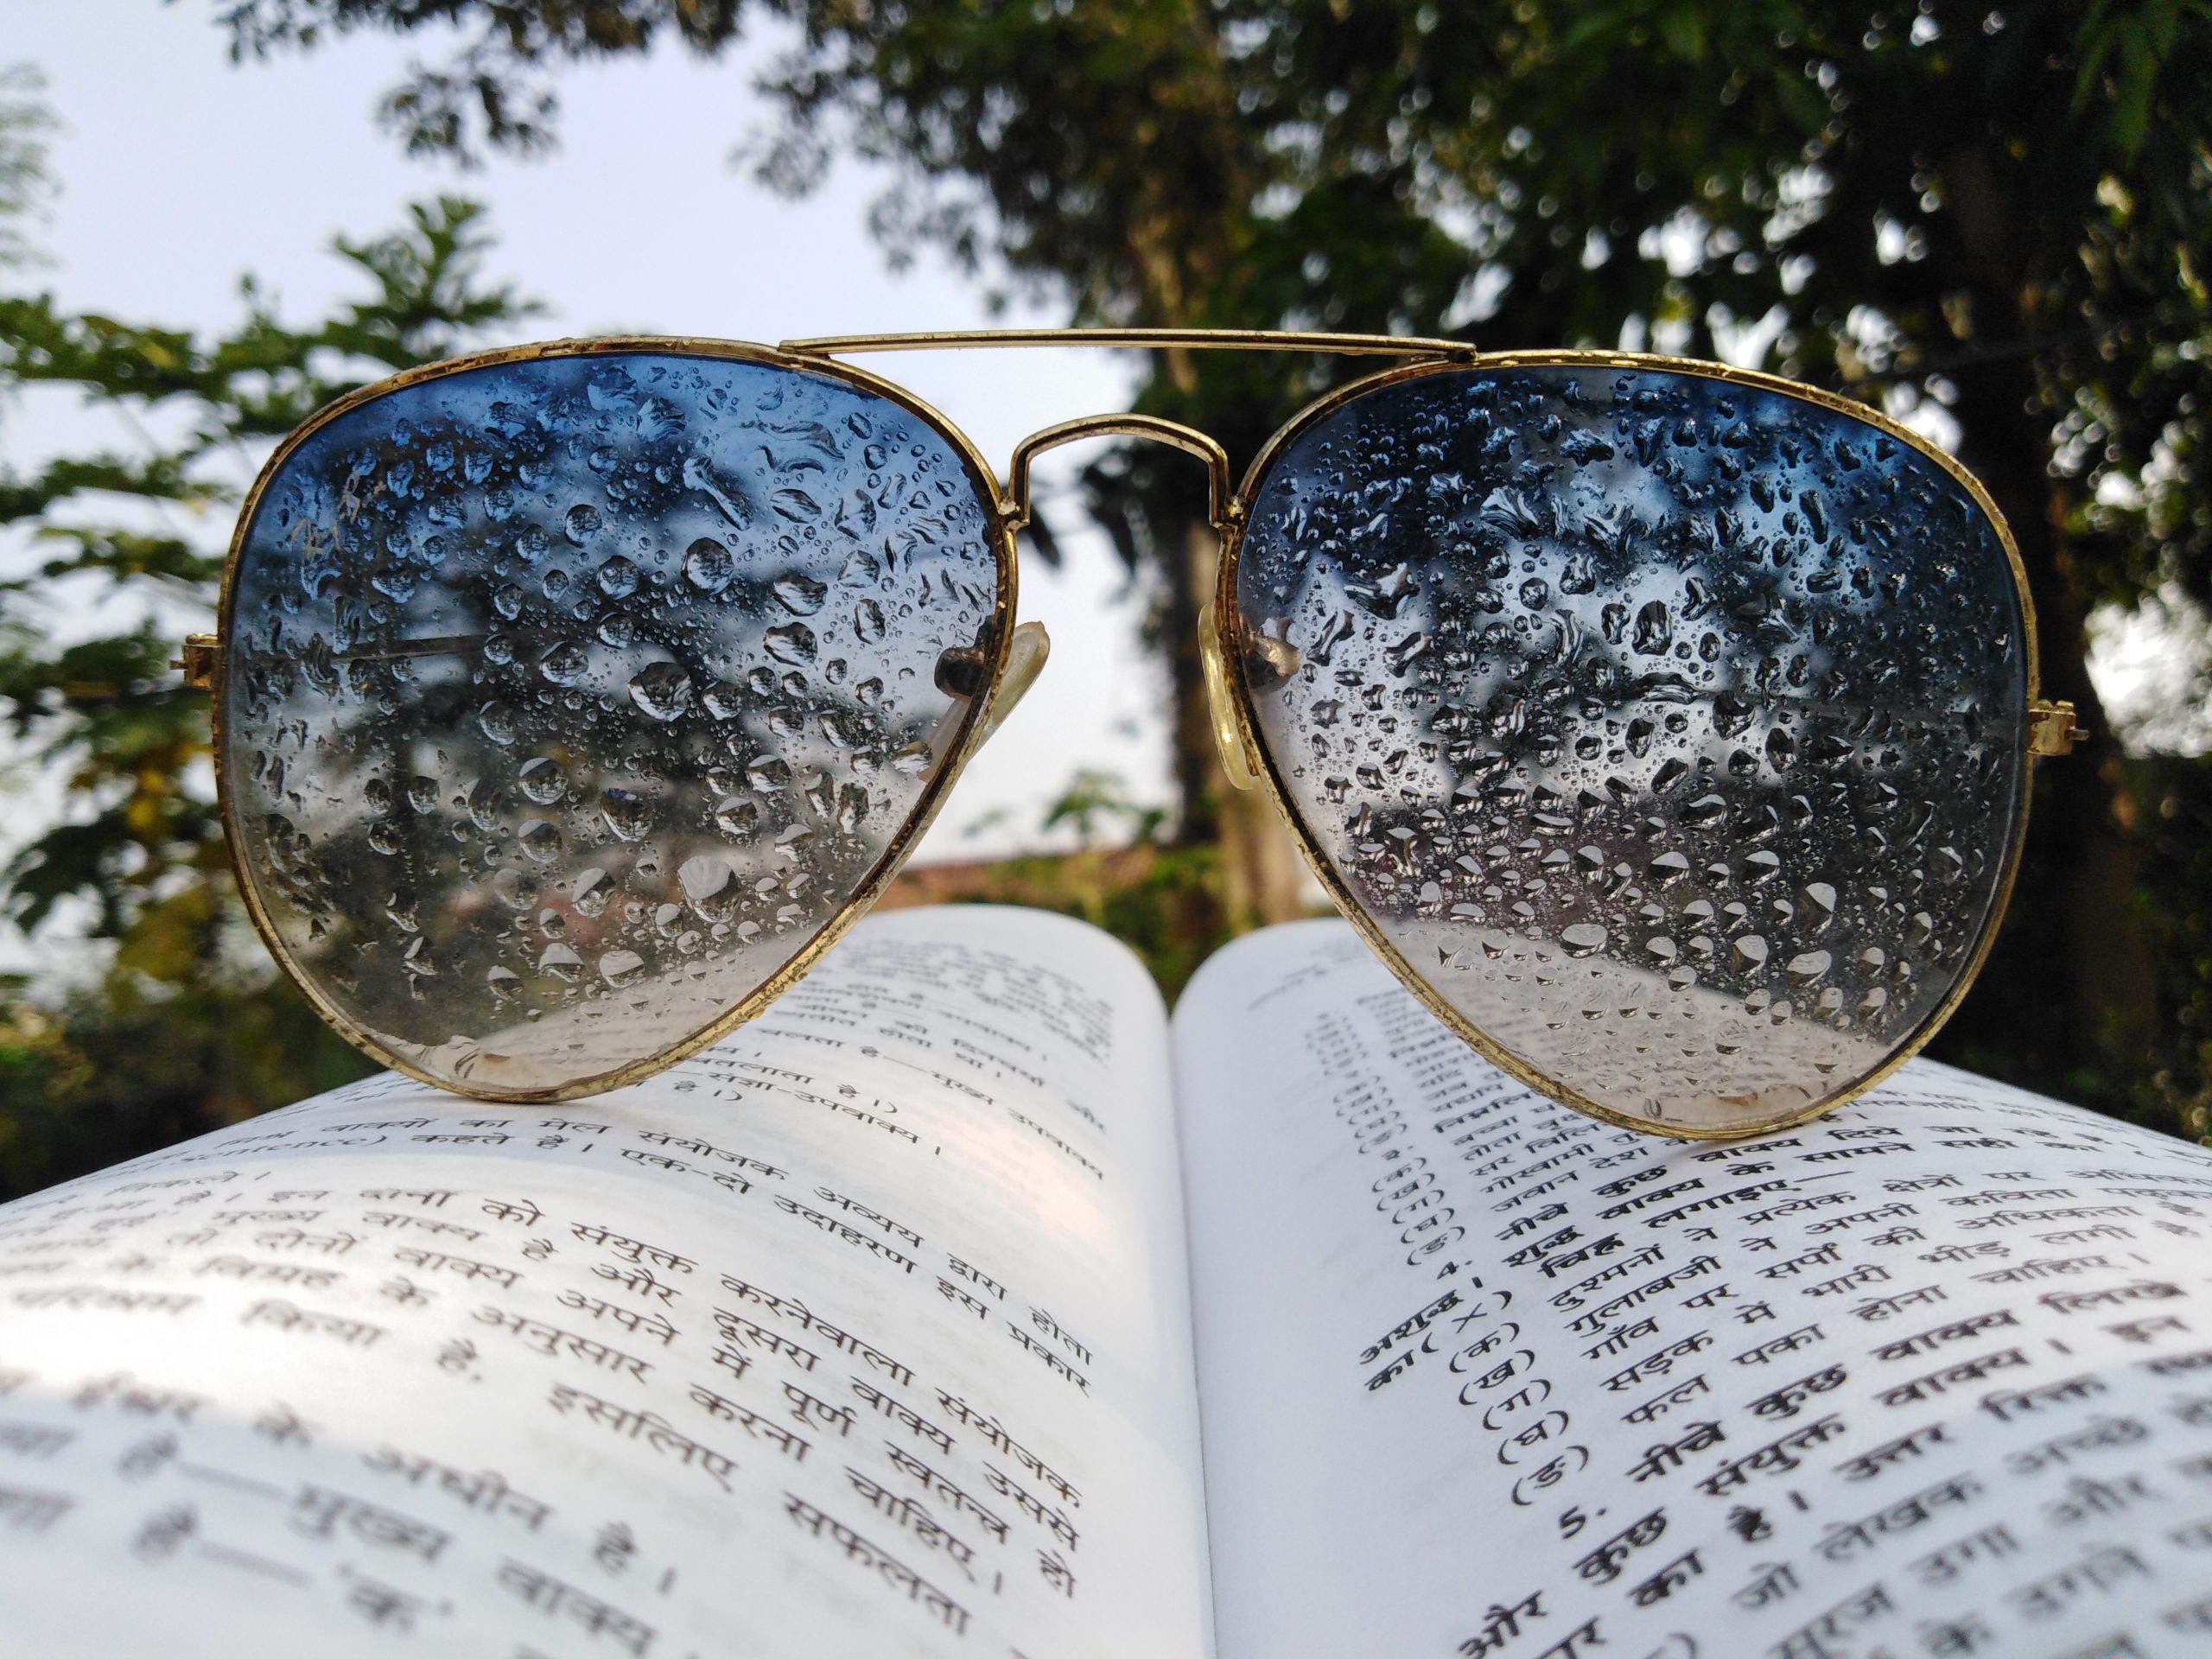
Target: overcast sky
{"x":180,"y":171}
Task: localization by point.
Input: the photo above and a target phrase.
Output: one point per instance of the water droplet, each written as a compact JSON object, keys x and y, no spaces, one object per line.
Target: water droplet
{"x":580,"y":524}
{"x":562,"y":962}
{"x":1749,"y":953}
{"x":662,"y":690}
{"x":1583,"y":939}
{"x":1809,"y":966}
{"x":565,"y":664}
{"x":618,"y":578}
{"x":506,"y":983}
{"x":592,"y":890}
{"x":737,"y":819}
{"x":1730,"y":713}
{"x":722,"y":700}
{"x":540,"y":840}
{"x":555,"y":583}
{"x":916,"y":758}
{"x":793,"y":643}
{"x":497,"y":721}
{"x":628,"y":814}
{"x":707,"y":565}
{"x":710,"y":886}
{"x":376,"y":795}
{"x":618,"y":966}
{"x":799,"y":595}
{"x":542,"y":780}
{"x":508,"y":601}
{"x":1654,"y":629}
{"x":868,"y":620}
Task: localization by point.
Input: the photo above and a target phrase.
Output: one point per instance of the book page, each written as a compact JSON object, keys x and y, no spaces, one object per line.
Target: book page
{"x":1931,"y":1375}
{"x":865,"y":1332}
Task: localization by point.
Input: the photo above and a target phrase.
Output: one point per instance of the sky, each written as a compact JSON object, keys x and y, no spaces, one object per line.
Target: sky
{"x":181,"y":171}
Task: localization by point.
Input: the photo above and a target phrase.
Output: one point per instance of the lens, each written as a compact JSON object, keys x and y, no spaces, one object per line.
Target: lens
{"x":1668,"y":729}
{"x":568,"y":700}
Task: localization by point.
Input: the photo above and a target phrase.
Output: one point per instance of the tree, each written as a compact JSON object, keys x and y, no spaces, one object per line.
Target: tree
{"x":1998,"y":214}
{"x":184,"y":1030}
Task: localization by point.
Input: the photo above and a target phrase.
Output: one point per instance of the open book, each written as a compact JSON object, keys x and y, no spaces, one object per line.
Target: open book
{"x":964,"y":1304}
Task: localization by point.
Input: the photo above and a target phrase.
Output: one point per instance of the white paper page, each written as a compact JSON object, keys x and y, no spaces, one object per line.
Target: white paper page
{"x":864,"y":1332}
{"x":1930,"y":1377}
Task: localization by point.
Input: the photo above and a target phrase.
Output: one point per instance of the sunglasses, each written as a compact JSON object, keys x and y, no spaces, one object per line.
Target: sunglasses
{"x":1664,"y":726}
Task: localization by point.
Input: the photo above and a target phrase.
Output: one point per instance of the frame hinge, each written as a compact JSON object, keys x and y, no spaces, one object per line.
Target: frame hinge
{"x":200,"y":651}
{"x":2051,"y":729}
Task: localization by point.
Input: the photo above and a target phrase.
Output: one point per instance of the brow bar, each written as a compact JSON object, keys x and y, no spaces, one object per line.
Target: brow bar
{"x":1224,"y":340}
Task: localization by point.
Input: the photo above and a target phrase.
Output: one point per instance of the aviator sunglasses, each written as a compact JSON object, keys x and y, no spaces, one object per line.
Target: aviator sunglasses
{"x":1664,"y":727}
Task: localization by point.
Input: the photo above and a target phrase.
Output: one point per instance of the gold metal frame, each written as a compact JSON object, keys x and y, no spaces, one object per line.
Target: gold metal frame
{"x":2048,"y":729}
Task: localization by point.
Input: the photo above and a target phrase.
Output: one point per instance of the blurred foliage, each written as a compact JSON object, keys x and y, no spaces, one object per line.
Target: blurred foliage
{"x":112,"y":556}
{"x":129,"y":1064}
{"x":1163,"y":900}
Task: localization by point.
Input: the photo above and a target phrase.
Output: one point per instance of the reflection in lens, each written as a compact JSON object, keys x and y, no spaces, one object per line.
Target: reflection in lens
{"x":1669,"y":728}
{"x":567,"y":700}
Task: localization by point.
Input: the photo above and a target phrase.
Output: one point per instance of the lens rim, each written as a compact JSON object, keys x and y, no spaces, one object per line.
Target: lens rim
{"x":1228,"y":623}
{"x":966,"y":739}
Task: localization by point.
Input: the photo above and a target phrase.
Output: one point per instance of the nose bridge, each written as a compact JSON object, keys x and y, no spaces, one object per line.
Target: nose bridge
{"x":1221,"y":507}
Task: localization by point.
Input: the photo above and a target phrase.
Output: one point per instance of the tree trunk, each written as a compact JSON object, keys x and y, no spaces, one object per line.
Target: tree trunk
{"x":1262,"y":875}
{"x":2073,"y":973}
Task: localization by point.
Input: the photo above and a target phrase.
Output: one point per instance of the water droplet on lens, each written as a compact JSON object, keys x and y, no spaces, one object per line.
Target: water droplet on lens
{"x":506,"y":983}
{"x":628,"y":814}
{"x":767,"y":772}
{"x":793,"y":643}
{"x":540,"y":840}
{"x":708,"y":566}
{"x":565,"y":664}
{"x":508,"y":601}
{"x":662,"y":690}
{"x":1806,"y":968}
{"x":737,"y":819}
{"x":616,"y":966}
{"x":592,"y":890}
{"x":1750,"y":953}
{"x":542,"y":780}
{"x":562,"y":962}
{"x":1583,"y":939}
{"x":914,"y":759}
{"x":581,"y":523}
{"x":618,"y":578}
{"x":376,"y":795}
{"x":710,"y":886}
{"x":800,"y":595}
{"x":722,"y":700}
{"x":497,"y":721}
{"x":868,"y":620}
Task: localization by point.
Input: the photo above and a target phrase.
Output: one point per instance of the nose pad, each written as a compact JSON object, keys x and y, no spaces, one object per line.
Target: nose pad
{"x":1226,"y":738}
{"x":1024,"y":661}
{"x":959,"y":676}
